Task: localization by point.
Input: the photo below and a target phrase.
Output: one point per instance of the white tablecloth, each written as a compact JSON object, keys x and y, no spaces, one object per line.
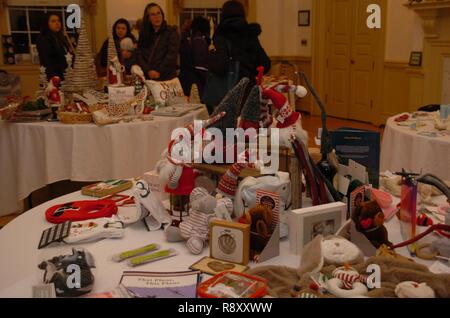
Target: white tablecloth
{"x":403,"y":148}
{"x":33,"y":155}
{"x":20,"y":256}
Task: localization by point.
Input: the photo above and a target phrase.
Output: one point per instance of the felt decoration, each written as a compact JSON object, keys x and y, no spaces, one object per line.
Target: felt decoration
{"x":231,"y":104}
{"x":251,"y":111}
{"x":369,"y":220}
{"x":229,"y":182}
{"x":81,"y":211}
{"x":414,"y":290}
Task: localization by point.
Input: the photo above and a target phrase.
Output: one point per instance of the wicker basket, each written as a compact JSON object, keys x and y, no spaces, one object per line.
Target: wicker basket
{"x":74,"y":118}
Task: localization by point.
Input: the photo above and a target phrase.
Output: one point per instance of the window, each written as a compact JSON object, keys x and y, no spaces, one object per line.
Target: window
{"x":25,"y":24}
{"x":191,"y":13}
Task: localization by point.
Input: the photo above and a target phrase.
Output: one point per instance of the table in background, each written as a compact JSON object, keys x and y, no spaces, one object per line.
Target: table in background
{"x":403,"y":148}
{"x":33,"y":155}
{"x":20,"y":256}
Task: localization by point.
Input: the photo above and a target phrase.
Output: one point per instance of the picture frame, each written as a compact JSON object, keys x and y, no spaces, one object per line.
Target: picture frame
{"x":305,"y":224}
{"x":416,"y":59}
{"x":230,"y":241}
{"x":304,"y":18}
{"x":211,"y":266}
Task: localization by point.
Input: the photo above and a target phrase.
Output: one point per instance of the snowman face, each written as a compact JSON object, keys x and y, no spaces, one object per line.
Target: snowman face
{"x":338,"y":250}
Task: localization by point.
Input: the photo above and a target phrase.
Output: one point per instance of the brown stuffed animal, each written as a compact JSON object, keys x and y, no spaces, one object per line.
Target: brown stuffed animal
{"x":260,"y":220}
{"x":369,"y":220}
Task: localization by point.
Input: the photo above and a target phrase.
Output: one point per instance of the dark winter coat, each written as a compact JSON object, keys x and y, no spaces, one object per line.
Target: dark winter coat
{"x":194,"y":62}
{"x":242,"y":40}
{"x":52,"y":54}
{"x":165,"y":54}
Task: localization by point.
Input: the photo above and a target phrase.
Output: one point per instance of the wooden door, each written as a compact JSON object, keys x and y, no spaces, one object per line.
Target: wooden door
{"x":355,"y":61}
{"x":339,"y":34}
{"x":363,"y":64}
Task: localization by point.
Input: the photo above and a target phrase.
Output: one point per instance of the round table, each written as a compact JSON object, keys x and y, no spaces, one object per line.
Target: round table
{"x":33,"y":155}
{"x":20,"y":256}
{"x":404,"y":148}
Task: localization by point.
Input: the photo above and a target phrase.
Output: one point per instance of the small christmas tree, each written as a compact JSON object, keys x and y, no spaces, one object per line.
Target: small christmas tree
{"x":67,"y":84}
{"x":84,"y":73}
{"x":42,"y":82}
{"x":194,"y":97}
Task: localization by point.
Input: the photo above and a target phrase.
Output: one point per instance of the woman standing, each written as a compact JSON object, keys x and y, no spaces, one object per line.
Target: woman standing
{"x":194,"y":56}
{"x":121,"y":30}
{"x":53,"y":46}
{"x":236,"y":39}
{"x":158,"y":45}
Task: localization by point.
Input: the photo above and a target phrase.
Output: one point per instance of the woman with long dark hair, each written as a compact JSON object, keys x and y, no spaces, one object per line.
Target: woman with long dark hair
{"x":158,"y":45}
{"x":121,"y":30}
{"x":53,"y":46}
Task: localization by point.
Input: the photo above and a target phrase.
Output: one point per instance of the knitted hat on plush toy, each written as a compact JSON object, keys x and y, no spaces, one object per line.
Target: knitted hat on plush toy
{"x":251,"y":111}
{"x":231,"y":106}
{"x":229,"y":182}
{"x":286,"y":116}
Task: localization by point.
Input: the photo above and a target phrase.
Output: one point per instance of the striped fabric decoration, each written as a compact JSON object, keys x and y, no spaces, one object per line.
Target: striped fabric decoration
{"x":349,"y":276}
{"x":196,"y":225}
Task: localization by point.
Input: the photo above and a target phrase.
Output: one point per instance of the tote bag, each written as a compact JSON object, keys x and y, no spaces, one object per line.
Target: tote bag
{"x":218,"y":86}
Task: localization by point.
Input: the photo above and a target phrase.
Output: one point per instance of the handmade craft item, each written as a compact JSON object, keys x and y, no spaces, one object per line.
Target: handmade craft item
{"x":81,"y":211}
{"x":57,"y":272}
{"x":149,"y":208}
{"x":369,"y":220}
{"x":115,"y":72}
{"x":347,"y":283}
{"x":288,"y":120}
{"x":414,"y":290}
{"x":84,"y":73}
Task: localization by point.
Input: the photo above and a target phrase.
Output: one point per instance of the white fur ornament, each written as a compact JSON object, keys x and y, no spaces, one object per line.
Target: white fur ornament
{"x":338,"y":251}
{"x":414,"y":290}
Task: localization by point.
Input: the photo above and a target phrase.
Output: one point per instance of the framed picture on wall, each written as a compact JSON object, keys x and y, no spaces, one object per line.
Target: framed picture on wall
{"x":415,"y":59}
{"x":304,"y":18}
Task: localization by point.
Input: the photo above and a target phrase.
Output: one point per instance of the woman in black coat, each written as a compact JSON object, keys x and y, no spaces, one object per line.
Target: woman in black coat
{"x":121,"y":30}
{"x":52,"y":46}
{"x":158,"y":45}
{"x":194,"y":56}
{"x":238,"y":39}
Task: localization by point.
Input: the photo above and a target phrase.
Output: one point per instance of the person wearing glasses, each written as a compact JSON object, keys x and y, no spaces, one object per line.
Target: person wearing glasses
{"x":158,"y":45}
{"x":53,"y":46}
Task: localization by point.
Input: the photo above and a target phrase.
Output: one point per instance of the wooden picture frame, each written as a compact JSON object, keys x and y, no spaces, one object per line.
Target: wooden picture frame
{"x":304,"y":18}
{"x":416,"y":59}
{"x":305,"y":224}
{"x":230,"y":242}
{"x":213,"y":266}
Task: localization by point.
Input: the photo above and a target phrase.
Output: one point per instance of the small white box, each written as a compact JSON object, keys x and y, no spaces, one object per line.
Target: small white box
{"x":155,"y":186}
{"x":305,"y":224}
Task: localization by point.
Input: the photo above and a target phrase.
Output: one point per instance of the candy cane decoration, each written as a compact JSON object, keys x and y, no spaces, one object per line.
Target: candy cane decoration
{"x":349,"y":276}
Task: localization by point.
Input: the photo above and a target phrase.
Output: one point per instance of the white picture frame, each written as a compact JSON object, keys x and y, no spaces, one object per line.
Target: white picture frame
{"x":307,"y":223}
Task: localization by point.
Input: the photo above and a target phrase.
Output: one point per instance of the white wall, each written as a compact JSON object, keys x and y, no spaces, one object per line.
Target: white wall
{"x":404,"y":32}
{"x":281,"y":33}
{"x":129,"y":9}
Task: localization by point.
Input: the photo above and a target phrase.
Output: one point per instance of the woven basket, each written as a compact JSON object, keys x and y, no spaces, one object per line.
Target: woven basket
{"x":74,"y":118}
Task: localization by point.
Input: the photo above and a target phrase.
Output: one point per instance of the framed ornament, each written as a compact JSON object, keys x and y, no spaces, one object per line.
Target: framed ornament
{"x":230,"y":242}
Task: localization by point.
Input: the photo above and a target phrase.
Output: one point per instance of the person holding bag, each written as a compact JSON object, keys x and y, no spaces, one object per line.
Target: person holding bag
{"x":236,"y":54}
{"x":158,"y":45}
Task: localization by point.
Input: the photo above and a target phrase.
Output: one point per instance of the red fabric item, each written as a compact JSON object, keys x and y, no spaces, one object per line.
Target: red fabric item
{"x":186,"y":183}
{"x":280,"y":102}
{"x":81,"y":211}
